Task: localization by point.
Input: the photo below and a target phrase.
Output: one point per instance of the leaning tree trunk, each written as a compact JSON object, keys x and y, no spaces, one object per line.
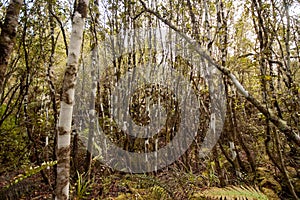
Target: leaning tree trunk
{"x":67,"y":102}
{"x":7,"y":38}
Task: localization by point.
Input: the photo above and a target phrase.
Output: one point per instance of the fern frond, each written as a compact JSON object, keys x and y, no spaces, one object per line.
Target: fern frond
{"x":18,"y":186}
{"x":234,"y":192}
{"x":159,"y":192}
{"x":158,"y":183}
{"x":31,"y":171}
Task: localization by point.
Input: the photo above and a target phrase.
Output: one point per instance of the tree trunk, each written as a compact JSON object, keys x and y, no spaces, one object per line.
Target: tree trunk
{"x":94,"y":77}
{"x":7,"y":38}
{"x":92,"y":113}
{"x":67,"y":102}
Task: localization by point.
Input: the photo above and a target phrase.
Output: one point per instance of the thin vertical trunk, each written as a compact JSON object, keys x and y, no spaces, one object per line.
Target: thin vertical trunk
{"x":283,"y":167}
{"x":94,"y":65}
{"x":50,"y":80}
{"x":222,"y":29}
{"x":196,"y":34}
{"x":208,"y":41}
{"x":67,"y":102}
{"x":92,"y":110}
{"x":7,"y":38}
{"x":287,"y":41}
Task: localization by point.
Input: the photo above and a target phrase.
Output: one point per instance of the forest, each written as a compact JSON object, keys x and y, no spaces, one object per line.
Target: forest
{"x":150,"y":99}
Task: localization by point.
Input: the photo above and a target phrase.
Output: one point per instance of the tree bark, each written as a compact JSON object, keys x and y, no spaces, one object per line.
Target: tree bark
{"x":67,"y":102}
{"x":8,"y":37}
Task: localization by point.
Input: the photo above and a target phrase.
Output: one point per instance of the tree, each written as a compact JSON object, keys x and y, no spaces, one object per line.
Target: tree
{"x":94,"y":77}
{"x":7,"y":38}
{"x":67,"y":101}
{"x":254,"y":43}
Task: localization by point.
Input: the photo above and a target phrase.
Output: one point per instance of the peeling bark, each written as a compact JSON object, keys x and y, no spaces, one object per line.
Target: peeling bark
{"x":7,"y":38}
{"x":67,"y":102}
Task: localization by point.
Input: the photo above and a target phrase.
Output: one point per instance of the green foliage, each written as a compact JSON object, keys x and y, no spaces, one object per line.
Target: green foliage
{"x":246,"y":57}
{"x":31,"y":171}
{"x":18,"y":186}
{"x":83,"y":186}
{"x":135,"y":186}
{"x":13,"y":146}
{"x":159,"y":192}
{"x":233,"y":192}
{"x":157,"y":183}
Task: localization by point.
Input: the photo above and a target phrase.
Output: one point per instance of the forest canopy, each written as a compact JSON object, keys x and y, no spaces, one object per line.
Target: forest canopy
{"x":224,"y":69}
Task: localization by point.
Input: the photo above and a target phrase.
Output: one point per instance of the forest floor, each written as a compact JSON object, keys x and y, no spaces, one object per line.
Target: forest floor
{"x":171,"y":183}
{"x":105,"y":184}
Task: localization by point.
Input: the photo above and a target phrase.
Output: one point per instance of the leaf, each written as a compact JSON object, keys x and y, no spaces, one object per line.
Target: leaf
{"x":233,"y":192}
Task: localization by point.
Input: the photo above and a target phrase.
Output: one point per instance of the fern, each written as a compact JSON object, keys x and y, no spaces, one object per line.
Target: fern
{"x":157,"y":183}
{"x":159,"y":192}
{"x":234,"y":192}
{"x":19,"y":186}
{"x":31,"y":171}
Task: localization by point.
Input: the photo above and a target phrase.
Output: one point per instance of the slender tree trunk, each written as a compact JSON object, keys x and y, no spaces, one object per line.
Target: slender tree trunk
{"x":92,"y":113}
{"x":51,"y":84}
{"x":287,"y":39}
{"x":94,"y":76}
{"x":7,"y":38}
{"x":67,"y":102}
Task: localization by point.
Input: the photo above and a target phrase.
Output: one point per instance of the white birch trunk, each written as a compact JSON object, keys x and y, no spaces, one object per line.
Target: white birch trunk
{"x":67,"y":102}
